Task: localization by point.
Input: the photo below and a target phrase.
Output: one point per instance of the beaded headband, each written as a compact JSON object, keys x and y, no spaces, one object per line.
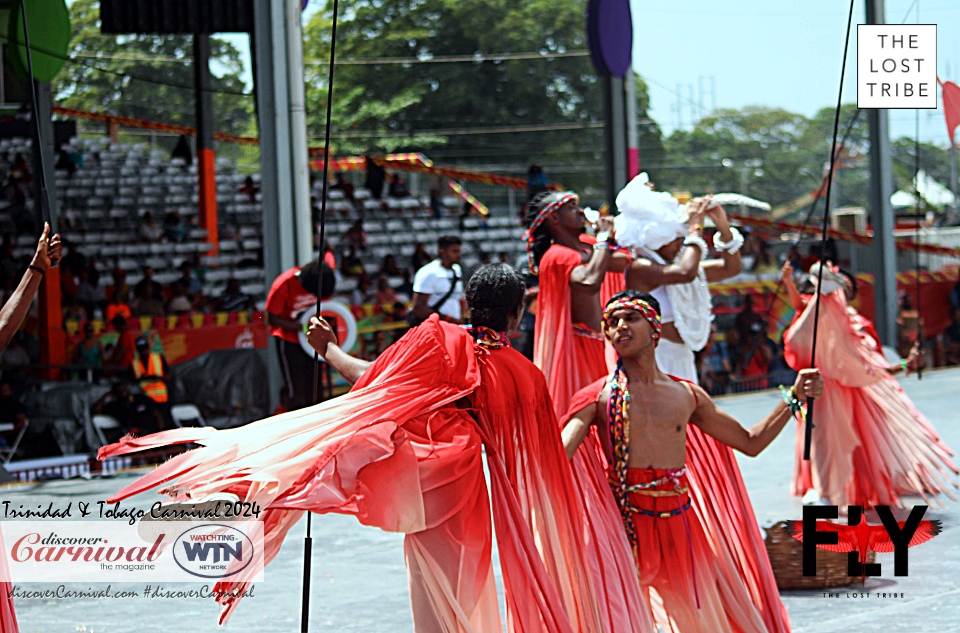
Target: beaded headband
{"x":562,"y":199}
{"x":645,"y":309}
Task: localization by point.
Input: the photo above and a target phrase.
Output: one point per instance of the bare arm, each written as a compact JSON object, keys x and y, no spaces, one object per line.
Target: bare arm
{"x":283,"y":323}
{"x":577,"y":428}
{"x":722,"y":427}
{"x":322,"y":338}
{"x":591,"y":275}
{"x":643,"y":274}
{"x":16,"y":308}
{"x":796,"y":299}
{"x":729,"y":264}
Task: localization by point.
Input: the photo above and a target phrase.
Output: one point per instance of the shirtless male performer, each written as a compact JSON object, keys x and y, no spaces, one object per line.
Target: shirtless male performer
{"x":642,"y":415}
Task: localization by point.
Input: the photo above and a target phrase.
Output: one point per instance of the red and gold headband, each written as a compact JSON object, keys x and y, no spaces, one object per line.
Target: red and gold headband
{"x":645,"y":309}
{"x":561,"y":199}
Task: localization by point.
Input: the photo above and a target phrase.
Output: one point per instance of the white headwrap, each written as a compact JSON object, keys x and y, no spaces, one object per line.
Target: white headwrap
{"x":650,"y":219}
{"x":832,"y":280}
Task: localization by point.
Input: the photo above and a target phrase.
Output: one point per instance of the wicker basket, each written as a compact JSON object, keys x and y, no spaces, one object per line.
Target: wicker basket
{"x":786,"y":558}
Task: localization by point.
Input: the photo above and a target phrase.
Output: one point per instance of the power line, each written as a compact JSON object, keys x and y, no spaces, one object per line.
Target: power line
{"x":506,"y":129}
{"x":452,"y":59}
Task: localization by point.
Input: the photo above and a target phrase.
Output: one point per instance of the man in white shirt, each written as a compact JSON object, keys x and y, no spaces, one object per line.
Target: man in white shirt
{"x":438,"y":286}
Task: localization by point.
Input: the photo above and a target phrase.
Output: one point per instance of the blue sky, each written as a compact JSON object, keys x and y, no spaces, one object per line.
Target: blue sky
{"x":782,"y":53}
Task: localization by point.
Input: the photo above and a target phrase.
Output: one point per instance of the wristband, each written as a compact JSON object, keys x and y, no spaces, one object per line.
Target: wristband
{"x":906,"y":366}
{"x":790,"y":399}
{"x":601,"y":246}
{"x":736,"y":241}
{"x":36,"y":268}
{"x":696,"y":227}
{"x":699,"y":242}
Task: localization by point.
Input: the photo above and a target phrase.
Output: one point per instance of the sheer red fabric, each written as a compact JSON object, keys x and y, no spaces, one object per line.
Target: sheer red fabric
{"x":870,"y":445}
{"x":402,"y":452}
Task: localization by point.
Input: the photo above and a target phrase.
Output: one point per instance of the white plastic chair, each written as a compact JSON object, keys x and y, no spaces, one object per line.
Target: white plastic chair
{"x":186,"y":413}
{"x":102,"y":423}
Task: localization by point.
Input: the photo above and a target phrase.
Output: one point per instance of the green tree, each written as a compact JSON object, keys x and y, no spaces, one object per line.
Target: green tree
{"x":147,"y":76}
{"x":398,"y":107}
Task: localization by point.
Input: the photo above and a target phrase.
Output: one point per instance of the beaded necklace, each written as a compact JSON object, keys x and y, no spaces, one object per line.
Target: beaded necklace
{"x":488,"y":338}
{"x":619,"y":418}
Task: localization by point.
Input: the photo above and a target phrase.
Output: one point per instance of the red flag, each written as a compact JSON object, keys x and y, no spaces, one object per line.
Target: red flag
{"x":951,"y":105}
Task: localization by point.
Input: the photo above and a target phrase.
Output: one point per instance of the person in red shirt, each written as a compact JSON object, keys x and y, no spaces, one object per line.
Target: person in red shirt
{"x":290,"y":294}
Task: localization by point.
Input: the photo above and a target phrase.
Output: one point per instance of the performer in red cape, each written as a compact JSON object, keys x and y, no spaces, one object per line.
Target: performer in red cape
{"x":569,"y":350}
{"x":870,"y":445}
{"x":401,"y":452}
{"x":691,"y":578}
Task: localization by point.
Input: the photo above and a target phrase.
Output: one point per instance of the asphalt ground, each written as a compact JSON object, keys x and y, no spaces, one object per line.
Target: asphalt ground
{"x":359,"y":582}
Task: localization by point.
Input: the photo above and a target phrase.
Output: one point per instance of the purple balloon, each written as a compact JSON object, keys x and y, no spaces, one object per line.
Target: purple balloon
{"x":303,"y":5}
{"x":610,"y":35}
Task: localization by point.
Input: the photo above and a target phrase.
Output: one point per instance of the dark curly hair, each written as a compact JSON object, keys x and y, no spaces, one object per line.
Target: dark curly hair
{"x":541,"y":237}
{"x":494,"y":294}
{"x":317,"y":273}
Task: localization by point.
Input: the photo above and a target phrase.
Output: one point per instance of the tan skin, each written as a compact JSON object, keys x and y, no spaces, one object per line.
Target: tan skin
{"x":49,"y":250}
{"x":915,"y":358}
{"x":421,"y":302}
{"x":646,"y":275}
{"x":566,"y":224}
{"x":660,"y":407}
{"x":322,"y":338}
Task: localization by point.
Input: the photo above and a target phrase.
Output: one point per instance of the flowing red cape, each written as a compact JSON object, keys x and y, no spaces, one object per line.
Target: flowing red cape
{"x":870,"y":445}
{"x":397,"y":453}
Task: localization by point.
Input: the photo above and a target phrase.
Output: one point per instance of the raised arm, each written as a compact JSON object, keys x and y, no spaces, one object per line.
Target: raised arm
{"x":592,"y":274}
{"x":16,"y":308}
{"x":722,"y":427}
{"x":643,"y":274}
{"x":322,"y":338}
{"x":729,"y":264}
{"x":576,"y":429}
{"x":796,"y":299}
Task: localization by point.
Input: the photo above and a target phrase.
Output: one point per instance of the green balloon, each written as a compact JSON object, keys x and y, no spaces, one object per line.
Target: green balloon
{"x":49,"y":22}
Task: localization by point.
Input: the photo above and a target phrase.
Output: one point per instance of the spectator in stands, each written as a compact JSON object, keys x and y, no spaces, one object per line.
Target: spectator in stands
{"x":950,"y":340}
{"x":136,"y":413}
{"x":398,"y":188}
{"x":150,"y":369}
{"x":465,"y":212}
{"x":120,"y":290}
{"x":385,"y":294}
{"x":748,"y":322}
{"x":436,"y":199}
{"x":233,"y":299}
{"x":363,"y":293}
{"x":795,"y":258}
{"x":179,"y":302}
{"x":438,"y":286}
{"x":420,"y":258}
{"x":505,"y":258}
{"x":145,"y":304}
{"x":189,"y":281}
{"x":21,"y":168}
{"x":347,"y":188}
{"x":174,"y":228}
{"x":149,"y":230}
{"x":89,"y":293}
{"x":12,"y":411}
{"x":352,"y":265}
{"x":376,"y":175}
{"x":715,"y":366}
{"x":389,"y":268}
{"x":406,"y":286}
{"x":155,"y":289}
{"x":250,"y":189}
{"x":182,"y":150}
{"x":355,"y":236}
{"x":125,"y":347}
{"x":536,"y":181}
{"x":763,"y":262}
{"x":65,"y":163}
{"x":116,"y":307}
{"x":89,"y":351}
{"x":290,"y":295}
{"x":73,"y":261}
